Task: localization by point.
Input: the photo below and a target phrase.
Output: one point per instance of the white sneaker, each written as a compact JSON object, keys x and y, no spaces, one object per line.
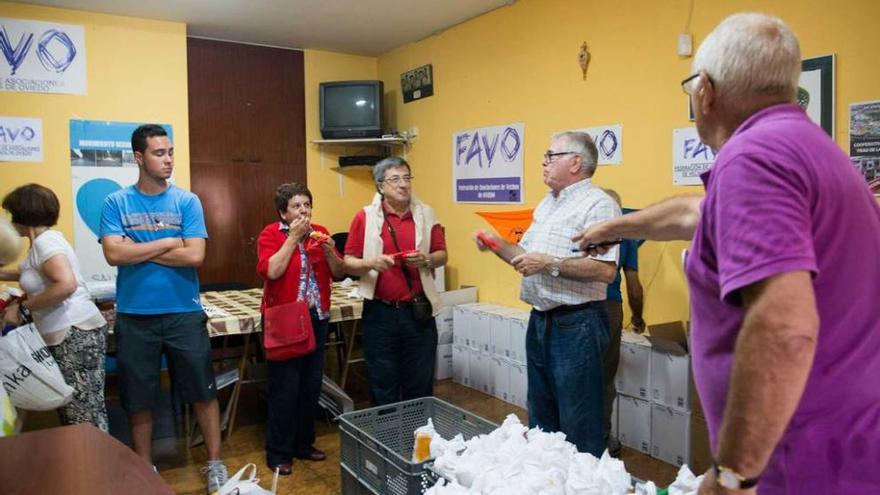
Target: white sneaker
{"x":217,"y":475}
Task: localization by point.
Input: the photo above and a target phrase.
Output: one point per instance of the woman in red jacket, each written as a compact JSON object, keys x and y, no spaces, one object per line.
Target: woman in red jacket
{"x":296,"y":257}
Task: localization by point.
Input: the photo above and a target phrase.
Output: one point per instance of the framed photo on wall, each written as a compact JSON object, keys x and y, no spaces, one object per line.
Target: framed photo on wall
{"x":417,"y":83}
{"x":816,"y":91}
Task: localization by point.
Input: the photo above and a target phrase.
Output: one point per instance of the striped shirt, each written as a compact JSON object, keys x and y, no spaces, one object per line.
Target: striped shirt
{"x":555,"y":221}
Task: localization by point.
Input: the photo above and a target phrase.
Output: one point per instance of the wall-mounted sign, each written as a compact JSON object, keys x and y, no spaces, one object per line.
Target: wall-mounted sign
{"x":417,"y":83}
{"x":690,"y":157}
{"x":864,"y":138}
{"x":609,"y":142}
{"x":487,"y":164}
{"x":42,"y":57}
{"x":21,"y":140}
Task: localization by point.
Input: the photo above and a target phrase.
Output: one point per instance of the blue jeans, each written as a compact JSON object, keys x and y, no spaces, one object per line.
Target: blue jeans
{"x":564,"y":352}
{"x":292,"y":397}
{"x":399,"y":352}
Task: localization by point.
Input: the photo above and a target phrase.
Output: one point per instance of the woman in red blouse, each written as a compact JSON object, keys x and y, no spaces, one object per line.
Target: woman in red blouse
{"x":296,"y":257}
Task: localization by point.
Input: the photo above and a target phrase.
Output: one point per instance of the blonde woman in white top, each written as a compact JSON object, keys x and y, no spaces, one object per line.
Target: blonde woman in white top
{"x":58,"y":301}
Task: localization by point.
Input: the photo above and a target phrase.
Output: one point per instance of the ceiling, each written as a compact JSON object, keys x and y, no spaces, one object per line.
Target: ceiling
{"x":364,"y":27}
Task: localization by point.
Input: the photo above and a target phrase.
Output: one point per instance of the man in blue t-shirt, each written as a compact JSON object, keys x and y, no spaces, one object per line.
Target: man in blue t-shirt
{"x":154,"y":232}
{"x":629,"y":263}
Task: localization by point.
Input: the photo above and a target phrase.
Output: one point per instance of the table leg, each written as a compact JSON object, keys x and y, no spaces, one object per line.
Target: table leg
{"x":348,"y":350}
{"x":236,"y":390}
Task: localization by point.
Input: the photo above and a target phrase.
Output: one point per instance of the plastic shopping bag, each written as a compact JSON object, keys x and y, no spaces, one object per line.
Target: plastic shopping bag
{"x":29,"y":373}
{"x":246,"y":484}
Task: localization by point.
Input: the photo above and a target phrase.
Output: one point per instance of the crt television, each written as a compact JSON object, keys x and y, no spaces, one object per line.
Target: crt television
{"x":351,"y":109}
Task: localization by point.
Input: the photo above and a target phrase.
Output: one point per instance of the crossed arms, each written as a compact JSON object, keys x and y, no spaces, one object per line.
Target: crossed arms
{"x":169,"y":251}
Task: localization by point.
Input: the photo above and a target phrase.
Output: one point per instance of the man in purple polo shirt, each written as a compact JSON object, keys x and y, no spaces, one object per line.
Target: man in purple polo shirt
{"x":786,"y":336}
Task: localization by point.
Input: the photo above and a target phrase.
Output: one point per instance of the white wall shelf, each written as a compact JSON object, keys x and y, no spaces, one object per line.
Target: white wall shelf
{"x":358,"y":144}
{"x":390,"y":141}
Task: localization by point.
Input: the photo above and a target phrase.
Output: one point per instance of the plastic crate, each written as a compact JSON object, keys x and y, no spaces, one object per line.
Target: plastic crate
{"x":376,"y":444}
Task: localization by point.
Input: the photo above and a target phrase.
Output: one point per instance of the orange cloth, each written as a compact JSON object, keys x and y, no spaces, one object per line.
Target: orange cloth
{"x":510,"y":225}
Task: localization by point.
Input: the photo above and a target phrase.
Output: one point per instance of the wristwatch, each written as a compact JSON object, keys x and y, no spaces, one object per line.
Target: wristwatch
{"x":730,"y":479}
{"x":554,"y":267}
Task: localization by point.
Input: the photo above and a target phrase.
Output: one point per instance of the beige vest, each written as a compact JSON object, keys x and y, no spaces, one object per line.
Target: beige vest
{"x":424,"y":218}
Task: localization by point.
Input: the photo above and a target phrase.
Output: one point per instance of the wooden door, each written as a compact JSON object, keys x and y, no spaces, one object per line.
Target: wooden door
{"x":247,"y":136}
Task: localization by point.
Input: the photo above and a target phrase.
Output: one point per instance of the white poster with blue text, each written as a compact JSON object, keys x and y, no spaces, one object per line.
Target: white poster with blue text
{"x":609,"y":143}
{"x":690,"y":157}
{"x":487,"y":165}
{"x":101,"y":162}
{"x":21,"y":140}
{"x":42,"y":57}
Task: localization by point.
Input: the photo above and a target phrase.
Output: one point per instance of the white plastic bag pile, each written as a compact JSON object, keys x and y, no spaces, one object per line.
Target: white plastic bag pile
{"x":686,"y":483}
{"x":514,"y":460}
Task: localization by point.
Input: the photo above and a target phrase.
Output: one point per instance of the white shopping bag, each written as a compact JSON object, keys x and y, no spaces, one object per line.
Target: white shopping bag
{"x":29,"y":373}
{"x":246,"y":484}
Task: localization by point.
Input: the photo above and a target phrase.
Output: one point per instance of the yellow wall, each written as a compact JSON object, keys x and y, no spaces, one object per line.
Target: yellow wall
{"x":337,"y":193}
{"x":136,"y":73}
{"x":516,"y":64}
{"x":519,"y":64}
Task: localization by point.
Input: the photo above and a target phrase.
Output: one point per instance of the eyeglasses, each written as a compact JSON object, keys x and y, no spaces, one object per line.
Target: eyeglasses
{"x":690,"y":85}
{"x":550,"y":157}
{"x":395,"y":180}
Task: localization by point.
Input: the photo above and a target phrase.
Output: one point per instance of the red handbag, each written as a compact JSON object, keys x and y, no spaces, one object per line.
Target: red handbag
{"x":287,"y":331}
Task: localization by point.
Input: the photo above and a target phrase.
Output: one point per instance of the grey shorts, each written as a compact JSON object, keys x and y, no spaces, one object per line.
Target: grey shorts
{"x":140,"y":342}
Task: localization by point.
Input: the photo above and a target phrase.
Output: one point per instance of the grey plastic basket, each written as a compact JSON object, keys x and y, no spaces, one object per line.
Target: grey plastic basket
{"x":377,"y":443}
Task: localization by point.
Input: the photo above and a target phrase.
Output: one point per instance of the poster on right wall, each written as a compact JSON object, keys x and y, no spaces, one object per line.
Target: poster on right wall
{"x":864,"y":138}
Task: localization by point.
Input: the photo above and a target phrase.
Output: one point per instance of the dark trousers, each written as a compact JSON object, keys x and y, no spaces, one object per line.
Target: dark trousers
{"x":399,"y":352}
{"x":564,"y":355}
{"x":293,"y":389}
{"x":611,"y":360}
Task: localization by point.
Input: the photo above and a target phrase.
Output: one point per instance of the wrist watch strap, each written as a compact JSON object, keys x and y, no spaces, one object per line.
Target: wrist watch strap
{"x":730,"y":479}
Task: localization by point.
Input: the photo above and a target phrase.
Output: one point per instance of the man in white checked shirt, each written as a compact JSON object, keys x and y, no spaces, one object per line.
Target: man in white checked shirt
{"x":568,"y":327}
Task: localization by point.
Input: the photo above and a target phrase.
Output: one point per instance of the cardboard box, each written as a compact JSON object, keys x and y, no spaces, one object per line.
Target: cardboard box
{"x":446,"y":318}
{"x":481,"y":371}
{"x":461,"y":371}
{"x":461,"y":325}
{"x":519,"y":384}
{"x":519,"y":324}
{"x":634,"y":423}
{"x":443,"y":364}
{"x":701,"y":451}
{"x":445,"y":326}
{"x":670,"y":435}
{"x":670,"y":366}
{"x":634,"y":372}
{"x":500,"y":378}
{"x":482,"y":322}
{"x":458,"y":297}
{"x":670,"y":379}
{"x":499,"y":335}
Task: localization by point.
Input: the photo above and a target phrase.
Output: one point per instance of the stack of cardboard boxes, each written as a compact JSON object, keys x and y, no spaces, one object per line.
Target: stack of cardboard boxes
{"x":445,"y":328}
{"x":655,"y":404}
{"x":656,"y":411}
{"x":489,"y":350}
